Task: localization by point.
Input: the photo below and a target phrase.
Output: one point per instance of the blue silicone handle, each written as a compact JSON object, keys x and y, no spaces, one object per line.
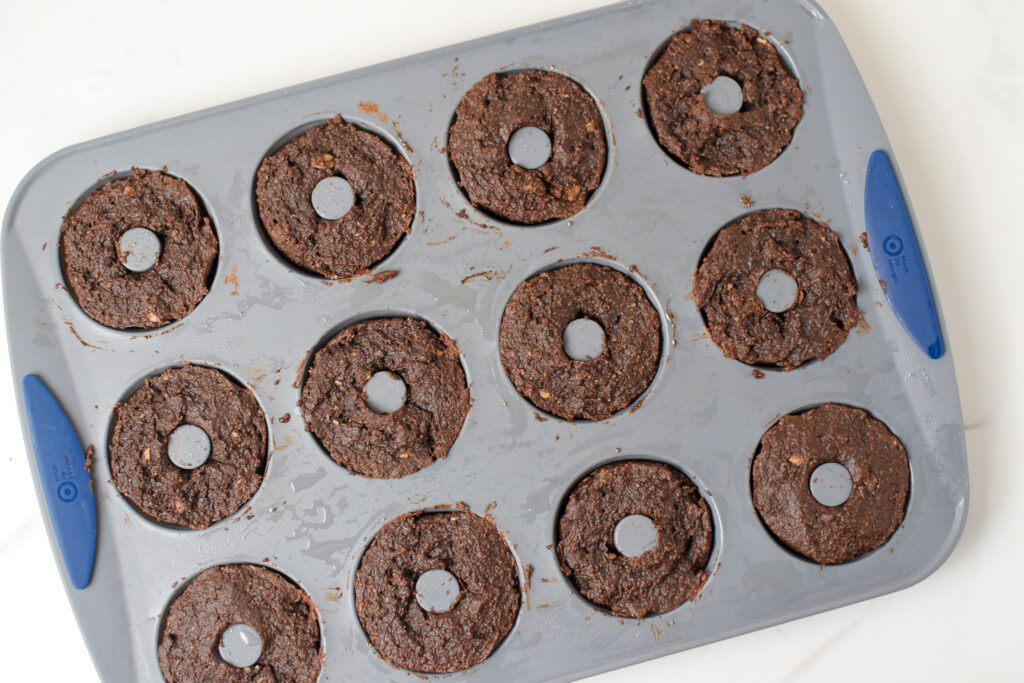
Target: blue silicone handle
{"x":66,"y":482}
{"x":896,"y":257}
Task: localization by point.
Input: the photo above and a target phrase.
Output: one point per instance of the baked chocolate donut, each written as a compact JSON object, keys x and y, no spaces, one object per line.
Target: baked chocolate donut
{"x":281,"y":613}
{"x":110,"y":293}
{"x":725,"y":289}
{"x":534,"y":356}
{"x":797,"y":445}
{"x":470,"y":548}
{"x":385,"y":199}
{"x":498,"y":106}
{"x":712,"y":144}
{"x":233,"y":421}
{"x":660,"y":579}
{"x":386,"y":445}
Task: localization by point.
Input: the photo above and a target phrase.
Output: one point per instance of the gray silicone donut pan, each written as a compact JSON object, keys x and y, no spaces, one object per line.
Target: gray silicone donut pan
{"x":651,"y":217}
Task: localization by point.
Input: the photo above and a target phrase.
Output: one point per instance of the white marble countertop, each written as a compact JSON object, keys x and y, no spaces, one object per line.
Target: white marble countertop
{"x":947,"y":77}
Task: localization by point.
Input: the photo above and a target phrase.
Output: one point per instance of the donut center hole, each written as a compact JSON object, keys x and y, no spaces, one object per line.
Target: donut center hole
{"x":138,"y":249}
{"x":723,"y":95}
{"x":529,"y":147}
{"x":635,"y":535}
{"x":437,"y":590}
{"x":332,"y":198}
{"x":385,"y":392}
{"x":240,"y":645}
{"x":777,"y":290}
{"x":583,"y":339}
{"x":831,"y":484}
{"x":189,"y":447}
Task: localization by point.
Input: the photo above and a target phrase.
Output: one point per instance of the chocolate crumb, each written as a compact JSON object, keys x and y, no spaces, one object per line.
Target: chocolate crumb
{"x":382,"y":276}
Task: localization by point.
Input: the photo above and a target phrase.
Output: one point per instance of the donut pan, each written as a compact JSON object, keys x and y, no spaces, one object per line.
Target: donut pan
{"x":651,"y":218}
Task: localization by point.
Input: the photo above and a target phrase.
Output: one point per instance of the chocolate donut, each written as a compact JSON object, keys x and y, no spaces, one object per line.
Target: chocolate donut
{"x":110,"y":293}
{"x":533,"y":353}
{"x":725,"y":289}
{"x":797,"y":445}
{"x":386,"y":445}
{"x":385,"y":199}
{"x":660,"y":579}
{"x":470,"y":548}
{"x":712,"y":144}
{"x":498,"y":106}
{"x":232,"y":419}
{"x":281,"y":613}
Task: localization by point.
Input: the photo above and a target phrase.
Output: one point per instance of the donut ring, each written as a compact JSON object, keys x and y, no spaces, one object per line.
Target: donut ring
{"x":469,"y":547}
{"x":107,"y":291}
{"x":501,"y":104}
{"x":231,"y":418}
{"x":877,"y":462}
{"x":660,"y":579}
{"x":725,"y":289}
{"x":392,"y":445}
{"x":532,"y":348}
{"x":385,"y":199}
{"x":722,"y":144}
{"x":279,"y":611}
